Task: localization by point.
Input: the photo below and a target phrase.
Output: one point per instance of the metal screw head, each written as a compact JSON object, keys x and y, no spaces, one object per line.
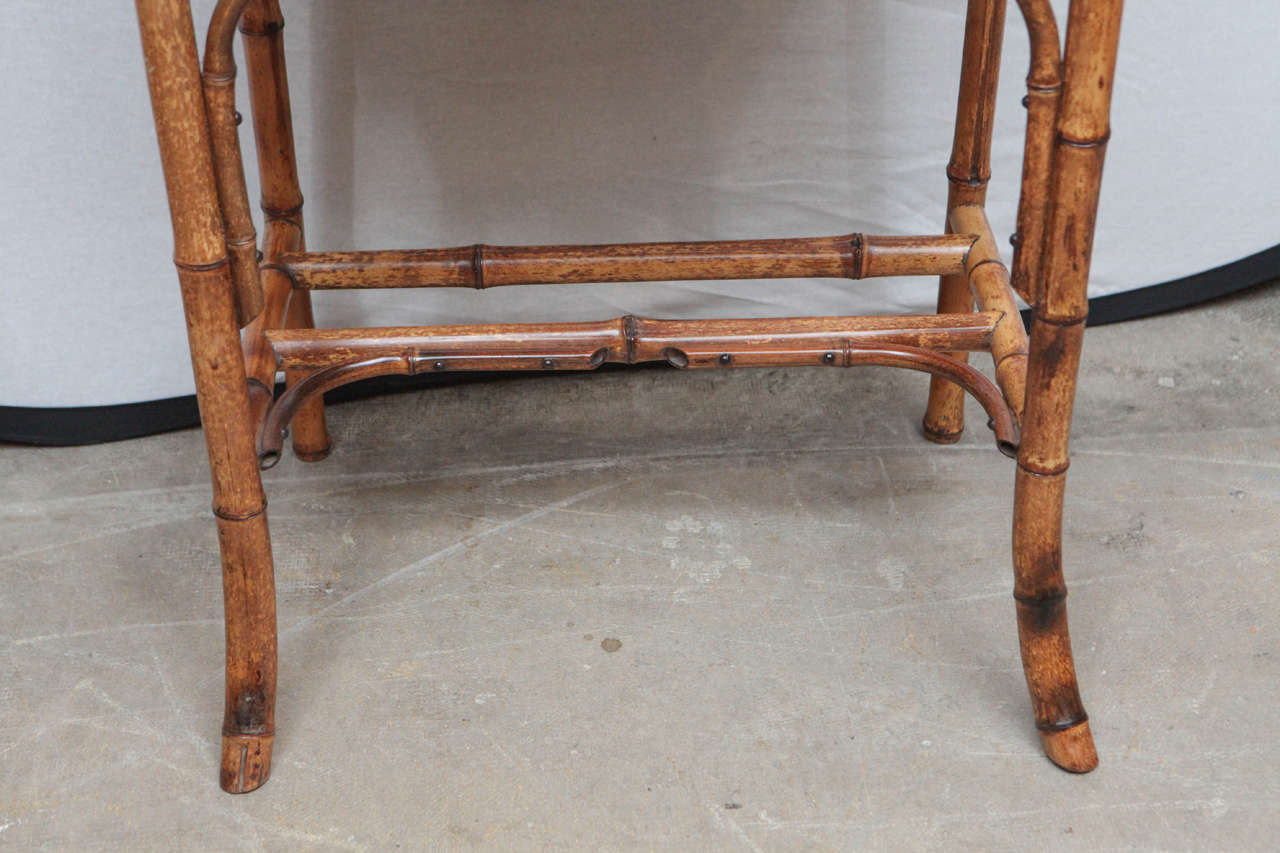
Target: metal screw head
{"x":439,"y":365}
{"x":548,"y":363}
{"x":829,"y":358}
{"x":725,"y":358}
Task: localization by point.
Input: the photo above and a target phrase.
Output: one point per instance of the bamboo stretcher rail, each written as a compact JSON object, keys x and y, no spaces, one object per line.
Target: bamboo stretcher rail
{"x":851,"y":256}
{"x":989,"y":280}
{"x":629,"y":340}
{"x":630,"y":344}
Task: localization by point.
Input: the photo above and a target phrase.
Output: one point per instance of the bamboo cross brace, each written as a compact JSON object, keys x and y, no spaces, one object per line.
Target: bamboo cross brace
{"x":628,"y":340}
{"x":850,"y":256}
{"x":741,"y":352}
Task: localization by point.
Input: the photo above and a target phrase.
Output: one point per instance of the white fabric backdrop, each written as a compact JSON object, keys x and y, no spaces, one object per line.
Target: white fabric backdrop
{"x":445,"y":122}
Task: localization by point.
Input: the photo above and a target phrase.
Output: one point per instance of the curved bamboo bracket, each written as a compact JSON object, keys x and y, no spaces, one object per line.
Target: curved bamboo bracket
{"x":1002,"y":423}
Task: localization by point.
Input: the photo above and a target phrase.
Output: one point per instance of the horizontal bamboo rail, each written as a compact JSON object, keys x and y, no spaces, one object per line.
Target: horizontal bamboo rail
{"x":851,"y":256}
{"x":989,"y":281}
{"x":628,"y":340}
{"x":747,"y":352}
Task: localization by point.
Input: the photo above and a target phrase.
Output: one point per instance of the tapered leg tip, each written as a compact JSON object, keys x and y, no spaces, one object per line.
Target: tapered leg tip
{"x":246,"y":762}
{"x":307,"y":455}
{"x":941,"y":436}
{"x":1071,"y":749}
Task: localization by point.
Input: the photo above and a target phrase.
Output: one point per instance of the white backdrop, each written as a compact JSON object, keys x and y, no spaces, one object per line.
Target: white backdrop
{"x":446,"y":122}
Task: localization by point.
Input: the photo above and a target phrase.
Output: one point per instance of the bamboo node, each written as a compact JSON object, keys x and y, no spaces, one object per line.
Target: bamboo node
{"x":1096,"y":142}
{"x":232,"y":516}
{"x":1059,"y":321}
{"x":971,"y":182}
{"x":631,"y":335}
{"x":857,"y":257}
{"x":282,"y":212}
{"x":1043,"y":600}
{"x":212,"y":265}
{"x":268,"y":29}
{"x":226,"y":77}
{"x":1062,"y":725}
{"x":1056,"y":471}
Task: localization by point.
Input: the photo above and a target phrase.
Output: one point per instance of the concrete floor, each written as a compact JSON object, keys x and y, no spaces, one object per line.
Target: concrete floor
{"x":706,"y":610}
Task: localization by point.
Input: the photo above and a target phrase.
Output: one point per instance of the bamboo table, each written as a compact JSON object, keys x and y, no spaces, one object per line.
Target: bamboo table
{"x":232,"y":281}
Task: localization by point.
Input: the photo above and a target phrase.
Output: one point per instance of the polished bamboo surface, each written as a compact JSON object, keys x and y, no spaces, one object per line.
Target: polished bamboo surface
{"x":850,"y":256}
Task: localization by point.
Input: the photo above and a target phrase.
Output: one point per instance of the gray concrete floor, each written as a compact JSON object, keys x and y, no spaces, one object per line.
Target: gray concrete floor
{"x":704,"y":610}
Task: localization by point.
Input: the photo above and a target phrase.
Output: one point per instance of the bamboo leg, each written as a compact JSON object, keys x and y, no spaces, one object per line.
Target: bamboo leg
{"x":263,"y":29}
{"x":1057,"y":333}
{"x":310,"y":436}
{"x":968,"y":173}
{"x":200,"y":253}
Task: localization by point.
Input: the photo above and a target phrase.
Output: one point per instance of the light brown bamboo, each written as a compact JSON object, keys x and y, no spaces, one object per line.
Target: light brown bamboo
{"x":989,"y":281}
{"x":219,"y":79}
{"x":201,"y":159}
{"x":967,"y":173}
{"x":629,"y":340}
{"x":173,"y":73}
{"x":280,"y":236}
{"x":1056,"y":335}
{"x":849,"y":256}
{"x":630,"y":343}
{"x":1044,"y":90}
{"x":262,"y":26}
